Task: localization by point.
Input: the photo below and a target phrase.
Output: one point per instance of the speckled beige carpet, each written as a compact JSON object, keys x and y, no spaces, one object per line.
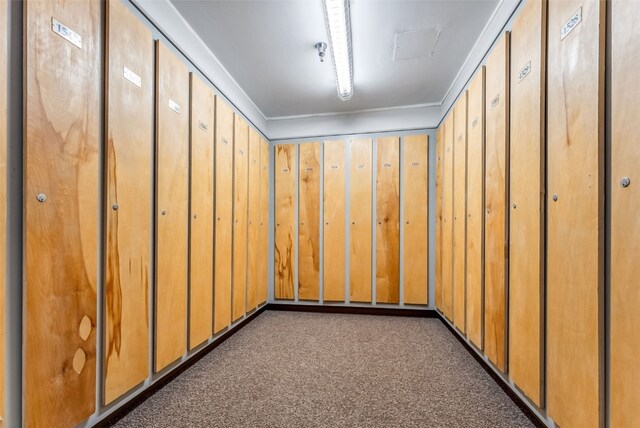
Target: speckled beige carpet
{"x":289,"y":369}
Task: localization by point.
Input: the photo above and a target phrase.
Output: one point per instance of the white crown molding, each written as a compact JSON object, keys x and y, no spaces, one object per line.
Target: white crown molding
{"x":337,"y":113}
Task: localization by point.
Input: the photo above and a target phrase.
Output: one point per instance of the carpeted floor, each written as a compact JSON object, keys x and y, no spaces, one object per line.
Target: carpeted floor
{"x":288,"y":369}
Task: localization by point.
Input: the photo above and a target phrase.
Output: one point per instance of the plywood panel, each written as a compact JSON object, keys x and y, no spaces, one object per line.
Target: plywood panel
{"x":264,"y":221}
{"x":575,"y":164}
{"x":496,"y":225}
{"x":526,"y":188}
{"x":172,"y":221}
{"x":254,"y":250}
{"x":128,"y":161}
{"x":224,"y":216}
{"x":459,"y":211}
{"x":309,"y":222}
{"x":334,"y":215}
{"x":61,"y":147}
{"x":201,"y":214}
{"x":625,"y":222}
{"x":360,"y":208}
{"x":285,"y":202}
{"x":240,"y":198}
{"x":415,"y":161}
{"x":388,"y":220}
{"x":3,"y":193}
{"x":439,"y":173}
{"x":447,"y":220}
{"x":475,"y":209}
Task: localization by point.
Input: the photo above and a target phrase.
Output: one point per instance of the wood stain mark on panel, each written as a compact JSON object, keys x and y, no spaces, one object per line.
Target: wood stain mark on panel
{"x":240,"y":190}
{"x":285,"y":200}
{"x":496,"y":200}
{"x":575,"y":250}
{"x":61,"y":149}
{"x":253,"y":248}
{"x":360,"y":208}
{"x":447,"y":220}
{"x":223,"y":217}
{"x":460,"y":212}
{"x":475,"y":210}
{"x":264,"y":221}
{"x":416,"y":216}
{"x":334,"y":217}
{"x":388,"y":220}
{"x":172,"y":222}
{"x":201,"y":213}
{"x":309,"y":222}
{"x":526,"y":189}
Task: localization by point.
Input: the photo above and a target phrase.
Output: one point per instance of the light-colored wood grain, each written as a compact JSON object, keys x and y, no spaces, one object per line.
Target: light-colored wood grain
{"x":475,"y":209}
{"x":224,"y":215}
{"x":459,"y":211}
{"x":309,"y":222}
{"x":263,"y":288}
{"x":575,"y":165}
{"x":496,"y":201}
{"x":128,"y":186}
{"x":3,"y":193}
{"x":253,"y":249}
{"x":201,"y":213}
{"x":240,"y":198}
{"x":447,"y":219}
{"x":360,"y":208}
{"x":285,"y":202}
{"x":172,"y":217}
{"x":334,"y":215}
{"x":438,"y":255}
{"x":415,"y":160}
{"x":61,"y":149}
{"x":388,"y":220}
{"x":625,"y":222}
{"x":526,"y":195}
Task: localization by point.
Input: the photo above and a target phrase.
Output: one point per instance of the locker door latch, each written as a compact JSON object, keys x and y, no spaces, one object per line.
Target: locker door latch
{"x":625,"y":182}
{"x":41,"y":197}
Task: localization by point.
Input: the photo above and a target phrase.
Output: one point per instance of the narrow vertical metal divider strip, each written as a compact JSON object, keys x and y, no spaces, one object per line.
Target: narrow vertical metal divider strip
{"x":296,"y":174}
{"x":233,"y":217}
{"x":608,"y":180}
{"x":189,"y":211}
{"x":246,"y":238}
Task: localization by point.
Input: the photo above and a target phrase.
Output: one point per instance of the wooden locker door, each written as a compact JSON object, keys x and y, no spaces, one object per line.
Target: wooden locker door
{"x":3,"y":191}
{"x":575,"y":210}
{"x":128,"y":160}
{"x":253,"y":249}
{"x":285,"y":205}
{"x":447,"y":220}
{"x":415,"y":159}
{"x":172,"y":221}
{"x":61,"y":199}
{"x":224,"y":215}
{"x":360,"y":207}
{"x":264,"y":221}
{"x":438,"y":256}
{"x":526,"y":188}
{"x":388,"y":221}
{"x":309,"y":222}
{"x":240,"y":198}
{"x":625,"y":222}
{"x":496,"y":201}
{"x":334,"y":217}
{"x":475,"y":209}
{"x":459,"y":211}
{"x":201,"y":214}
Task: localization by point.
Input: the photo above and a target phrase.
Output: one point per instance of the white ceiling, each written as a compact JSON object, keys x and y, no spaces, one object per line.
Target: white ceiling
{"x":267,"y":46}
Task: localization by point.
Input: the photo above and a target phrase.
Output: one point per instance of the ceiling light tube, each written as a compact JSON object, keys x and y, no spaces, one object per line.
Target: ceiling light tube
{"x":338,"y":22}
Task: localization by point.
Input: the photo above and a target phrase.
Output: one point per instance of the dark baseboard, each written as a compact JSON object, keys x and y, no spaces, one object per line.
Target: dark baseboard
{"x":535,"y":420}
{"x":144,"y":395}
{"x":354,"y":310}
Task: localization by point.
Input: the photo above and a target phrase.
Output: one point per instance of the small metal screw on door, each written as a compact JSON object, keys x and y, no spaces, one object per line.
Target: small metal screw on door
{"x":41,"y":197}
{"x":555,"y":198}
{"x":115,"y":207}
{"x":625,"y":182}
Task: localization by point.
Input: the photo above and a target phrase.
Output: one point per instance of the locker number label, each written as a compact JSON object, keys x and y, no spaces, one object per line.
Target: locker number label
{"x":132,"y":77}
{"x":308,"y":169}
{"x":284,"y":170}
{"x":66,"y":33}
{"x":334,"y":166}
{"x":572,"y":23}
{"x":495,"y":102}
{"x":360,"y":166}
{"x":474,"y":123}
{"x":202,"y":125}
{"x":174,"y":106}
{"x":387,"y":165}
{"x":524,"y":72}
{"x":415,"y":164}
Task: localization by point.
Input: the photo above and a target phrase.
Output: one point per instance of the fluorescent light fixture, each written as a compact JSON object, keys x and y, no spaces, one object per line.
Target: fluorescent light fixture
{"x":338,"y":22}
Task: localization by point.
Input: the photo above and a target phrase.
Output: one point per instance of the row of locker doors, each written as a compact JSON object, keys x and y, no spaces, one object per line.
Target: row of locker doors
{"x":170,"y":218}
{"x":521,"y":200}
{"x":346,"y":171}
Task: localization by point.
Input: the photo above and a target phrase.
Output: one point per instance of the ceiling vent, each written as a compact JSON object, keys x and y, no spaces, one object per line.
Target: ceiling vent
{"x":415,"y":44}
